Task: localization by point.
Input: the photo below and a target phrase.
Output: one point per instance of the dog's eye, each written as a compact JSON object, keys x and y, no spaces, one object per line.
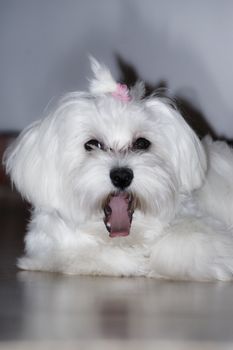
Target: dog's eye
{"x":141,"y":144}
{"x":92,"y":144}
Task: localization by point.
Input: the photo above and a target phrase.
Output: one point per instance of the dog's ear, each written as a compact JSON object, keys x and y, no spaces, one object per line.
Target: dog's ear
{"x":182,"y":145}
{"x":31,"y":163}
{"x":103,"y":81}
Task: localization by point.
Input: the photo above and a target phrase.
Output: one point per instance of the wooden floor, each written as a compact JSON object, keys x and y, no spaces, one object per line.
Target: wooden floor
{"x":53,"y":311}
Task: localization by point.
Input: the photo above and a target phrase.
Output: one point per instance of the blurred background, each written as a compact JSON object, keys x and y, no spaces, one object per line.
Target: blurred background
{"x":186,"y":46}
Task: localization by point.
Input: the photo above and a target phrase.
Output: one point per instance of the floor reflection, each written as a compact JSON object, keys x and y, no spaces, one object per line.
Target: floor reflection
{"x":81,"y":307}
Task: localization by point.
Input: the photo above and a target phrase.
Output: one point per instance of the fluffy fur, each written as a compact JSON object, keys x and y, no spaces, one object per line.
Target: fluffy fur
{"x":182,"y":225}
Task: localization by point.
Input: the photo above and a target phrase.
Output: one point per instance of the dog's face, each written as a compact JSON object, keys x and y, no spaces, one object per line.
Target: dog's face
{"x":115,"y":162}
{"x":99,"y":154}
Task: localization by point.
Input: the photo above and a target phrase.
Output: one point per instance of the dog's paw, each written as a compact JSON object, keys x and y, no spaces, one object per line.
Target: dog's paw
{"x":26,"y":263}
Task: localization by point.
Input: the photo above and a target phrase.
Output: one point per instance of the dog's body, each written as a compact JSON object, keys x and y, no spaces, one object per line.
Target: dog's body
{"x":165,"y":197}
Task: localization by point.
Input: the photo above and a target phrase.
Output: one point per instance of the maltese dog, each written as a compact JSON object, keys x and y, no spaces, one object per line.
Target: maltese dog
{"x":121,"y":186}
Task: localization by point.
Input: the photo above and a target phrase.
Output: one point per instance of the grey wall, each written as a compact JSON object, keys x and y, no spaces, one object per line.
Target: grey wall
{"x":44,"y":47}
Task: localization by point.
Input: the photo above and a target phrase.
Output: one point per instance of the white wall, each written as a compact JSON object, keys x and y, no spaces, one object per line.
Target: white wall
{"x":44,"y":45}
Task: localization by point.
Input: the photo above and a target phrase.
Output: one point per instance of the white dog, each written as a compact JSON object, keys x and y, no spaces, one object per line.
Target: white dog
{"x":121,"y":186}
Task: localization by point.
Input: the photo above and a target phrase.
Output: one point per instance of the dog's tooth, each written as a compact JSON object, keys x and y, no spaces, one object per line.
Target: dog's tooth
{"x":108,"y":226}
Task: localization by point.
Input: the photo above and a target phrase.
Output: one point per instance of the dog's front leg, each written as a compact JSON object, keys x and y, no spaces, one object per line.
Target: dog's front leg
{"x":194,"y":249}
{"x":53,"y":245}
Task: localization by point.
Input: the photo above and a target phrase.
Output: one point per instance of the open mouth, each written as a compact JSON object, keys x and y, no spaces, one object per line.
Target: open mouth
{"x":118,"y":210}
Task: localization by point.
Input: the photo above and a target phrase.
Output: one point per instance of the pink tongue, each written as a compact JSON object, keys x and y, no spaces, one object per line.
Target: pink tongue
{"x":119,"y":218}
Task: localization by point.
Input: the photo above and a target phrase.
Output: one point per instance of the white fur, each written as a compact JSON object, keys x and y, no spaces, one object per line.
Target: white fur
{"x":183,"y":228}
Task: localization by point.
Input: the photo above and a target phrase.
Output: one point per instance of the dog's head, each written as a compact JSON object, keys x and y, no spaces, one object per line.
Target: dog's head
{"x":108,"y":152}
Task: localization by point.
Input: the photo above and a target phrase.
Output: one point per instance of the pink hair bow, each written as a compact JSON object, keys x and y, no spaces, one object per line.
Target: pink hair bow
{"x":122,"y":93}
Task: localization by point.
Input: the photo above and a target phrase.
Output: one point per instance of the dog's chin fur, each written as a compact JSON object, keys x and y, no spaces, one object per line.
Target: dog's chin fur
{"x":182,"y":189}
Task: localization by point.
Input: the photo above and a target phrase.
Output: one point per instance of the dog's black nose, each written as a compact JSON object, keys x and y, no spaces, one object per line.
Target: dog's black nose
{"x":121,"y":177}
